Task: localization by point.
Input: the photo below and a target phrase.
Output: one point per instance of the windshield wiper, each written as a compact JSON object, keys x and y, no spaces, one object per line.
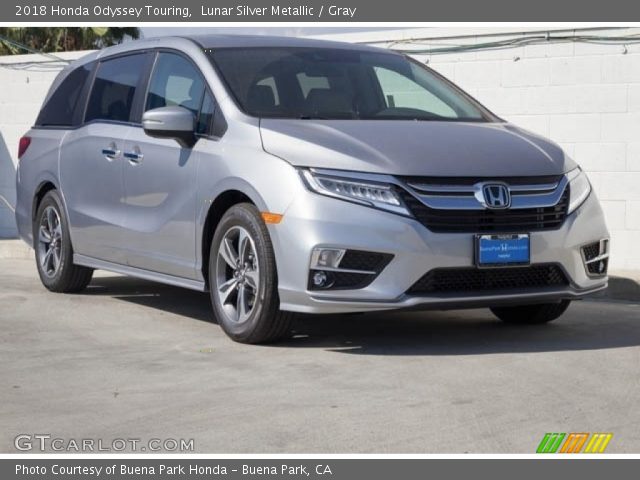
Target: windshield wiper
{"x":312,"y":117}
{"x":417,"y":118}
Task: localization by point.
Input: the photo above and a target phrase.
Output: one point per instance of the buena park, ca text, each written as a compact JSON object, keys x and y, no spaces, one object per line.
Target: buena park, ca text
{"x":173,"y":470}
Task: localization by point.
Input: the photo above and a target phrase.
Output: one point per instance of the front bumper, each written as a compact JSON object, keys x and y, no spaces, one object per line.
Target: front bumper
{"x":314,"y":220}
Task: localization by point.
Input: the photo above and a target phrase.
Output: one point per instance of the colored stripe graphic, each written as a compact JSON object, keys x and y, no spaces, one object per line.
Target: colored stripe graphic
{"x":550,"y":442}
{"x":574,"y":442}
{"x":598,"y":443}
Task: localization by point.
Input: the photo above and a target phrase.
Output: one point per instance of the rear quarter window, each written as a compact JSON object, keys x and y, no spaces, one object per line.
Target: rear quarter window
{"x":62,"y":108}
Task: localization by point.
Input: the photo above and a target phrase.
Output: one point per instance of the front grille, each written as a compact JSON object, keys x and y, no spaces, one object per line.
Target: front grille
{"x":488,"y":220}
{"x":470,"y":280}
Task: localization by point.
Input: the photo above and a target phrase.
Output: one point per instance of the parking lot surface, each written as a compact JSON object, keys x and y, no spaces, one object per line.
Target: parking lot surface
{"x":135,"y":359}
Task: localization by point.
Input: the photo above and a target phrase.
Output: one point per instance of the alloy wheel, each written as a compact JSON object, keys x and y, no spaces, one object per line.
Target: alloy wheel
{"x":237,"y":274}
{"x":50,"y":241}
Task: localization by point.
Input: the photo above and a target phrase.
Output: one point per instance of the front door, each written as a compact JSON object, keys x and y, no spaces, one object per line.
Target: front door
{"x":160,"y":177}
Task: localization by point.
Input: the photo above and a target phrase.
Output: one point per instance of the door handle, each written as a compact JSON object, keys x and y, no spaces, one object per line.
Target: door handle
{"x":110,"y":153}
{"x":134,"y":157}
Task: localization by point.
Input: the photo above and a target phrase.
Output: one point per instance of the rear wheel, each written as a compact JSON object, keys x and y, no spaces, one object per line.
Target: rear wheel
{"x":53,"y":250}
{"x":243,"y":278}
{"x":531,"y":314}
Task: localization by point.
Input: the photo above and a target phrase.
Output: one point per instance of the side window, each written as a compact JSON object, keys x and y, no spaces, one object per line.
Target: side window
{"x":175,"y":81}
{"x":63,"y":104}
{"x":205,"y":117}
{"x":402,"y":92}
{"x":114,"y":88}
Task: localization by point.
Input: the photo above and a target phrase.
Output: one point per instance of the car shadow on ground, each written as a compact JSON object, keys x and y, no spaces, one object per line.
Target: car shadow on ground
{"x":587,"y":325}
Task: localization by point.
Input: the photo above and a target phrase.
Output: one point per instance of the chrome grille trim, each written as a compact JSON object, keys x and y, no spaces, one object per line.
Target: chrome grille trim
{"x":469,"y":197}
{"x":543,"y":187}
{"x":426,"y":188}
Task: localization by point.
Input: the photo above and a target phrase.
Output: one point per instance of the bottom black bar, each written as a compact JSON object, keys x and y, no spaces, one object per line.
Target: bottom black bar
{"x":327,"y":469}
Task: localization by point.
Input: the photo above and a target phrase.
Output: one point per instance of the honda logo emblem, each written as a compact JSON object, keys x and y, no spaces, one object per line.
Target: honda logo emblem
{"x":496,"y":195}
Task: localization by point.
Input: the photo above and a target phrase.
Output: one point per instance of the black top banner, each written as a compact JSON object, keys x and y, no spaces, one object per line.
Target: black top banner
{"x":184,"y":11}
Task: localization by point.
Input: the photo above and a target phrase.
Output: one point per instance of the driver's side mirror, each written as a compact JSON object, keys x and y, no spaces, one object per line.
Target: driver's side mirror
{"x":171,"y":122}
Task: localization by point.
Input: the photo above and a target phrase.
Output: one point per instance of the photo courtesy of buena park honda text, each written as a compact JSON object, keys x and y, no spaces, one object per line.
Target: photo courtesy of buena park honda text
{"x":319,"y":239}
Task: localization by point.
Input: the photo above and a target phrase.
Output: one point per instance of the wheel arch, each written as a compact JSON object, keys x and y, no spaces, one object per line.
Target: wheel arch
{"x":219,"y":206}
{"x":45,"y":186}
{"x":41,"y":190}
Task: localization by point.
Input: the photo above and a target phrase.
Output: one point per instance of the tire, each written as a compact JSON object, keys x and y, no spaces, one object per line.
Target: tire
{"x":531,"y":314}
{"x":53,"y":249}
{"x":243,"y":282}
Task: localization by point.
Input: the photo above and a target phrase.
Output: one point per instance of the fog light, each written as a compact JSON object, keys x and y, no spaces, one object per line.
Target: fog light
{"x":322,"y":279}
{"x":326,"y":257}
{"x":319,"y":279}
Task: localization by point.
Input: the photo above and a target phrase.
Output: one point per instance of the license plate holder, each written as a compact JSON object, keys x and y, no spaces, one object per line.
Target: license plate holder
{"x":502,"y":250}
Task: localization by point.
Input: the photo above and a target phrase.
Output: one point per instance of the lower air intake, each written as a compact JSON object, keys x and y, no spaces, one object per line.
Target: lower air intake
{"x":474,"y":280}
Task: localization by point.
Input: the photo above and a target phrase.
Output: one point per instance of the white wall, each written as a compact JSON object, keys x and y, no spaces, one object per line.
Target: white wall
{"x":24,"y":81}
{"x":584,"y":96}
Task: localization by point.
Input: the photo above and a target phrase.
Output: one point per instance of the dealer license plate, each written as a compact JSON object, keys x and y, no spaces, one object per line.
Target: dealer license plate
{"x":497,"y":250}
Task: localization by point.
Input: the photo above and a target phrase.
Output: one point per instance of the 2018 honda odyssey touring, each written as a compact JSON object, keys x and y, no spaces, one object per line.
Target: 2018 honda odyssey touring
{"x":286,"y":175}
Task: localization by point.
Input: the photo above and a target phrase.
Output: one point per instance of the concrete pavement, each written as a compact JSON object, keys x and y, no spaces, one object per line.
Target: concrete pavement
{"x":135,"y":359}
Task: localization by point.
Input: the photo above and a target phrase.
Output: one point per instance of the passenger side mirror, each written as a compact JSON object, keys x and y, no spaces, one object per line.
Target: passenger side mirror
{"x":171,"y":122}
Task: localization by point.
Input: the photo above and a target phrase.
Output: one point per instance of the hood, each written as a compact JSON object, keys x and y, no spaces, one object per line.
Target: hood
{"x":420,"y":148}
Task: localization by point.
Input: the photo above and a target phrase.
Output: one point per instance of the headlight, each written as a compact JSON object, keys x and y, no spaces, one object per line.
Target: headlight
{"x":579,"y":188}
{"x":373,"y":194}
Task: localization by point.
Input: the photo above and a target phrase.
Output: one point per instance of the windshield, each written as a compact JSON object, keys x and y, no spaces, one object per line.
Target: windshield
{"x":340,"y":84}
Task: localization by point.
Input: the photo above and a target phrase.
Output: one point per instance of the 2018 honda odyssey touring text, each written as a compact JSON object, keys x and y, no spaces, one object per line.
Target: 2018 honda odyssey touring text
{"x":286,"y":175}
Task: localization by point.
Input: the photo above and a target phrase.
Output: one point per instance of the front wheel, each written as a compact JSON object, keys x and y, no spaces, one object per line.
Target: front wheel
{"x":243,"y":280}
{"x":531,"y":314}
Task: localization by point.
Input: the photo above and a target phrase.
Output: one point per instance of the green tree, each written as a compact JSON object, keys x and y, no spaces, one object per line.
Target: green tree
{"x":62,"y":39}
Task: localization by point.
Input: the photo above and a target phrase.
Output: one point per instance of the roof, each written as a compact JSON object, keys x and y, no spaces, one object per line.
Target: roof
{"x":224,"y":41}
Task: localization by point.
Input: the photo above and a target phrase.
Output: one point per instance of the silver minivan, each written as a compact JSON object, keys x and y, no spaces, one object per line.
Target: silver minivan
{"x":285,"y":175}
